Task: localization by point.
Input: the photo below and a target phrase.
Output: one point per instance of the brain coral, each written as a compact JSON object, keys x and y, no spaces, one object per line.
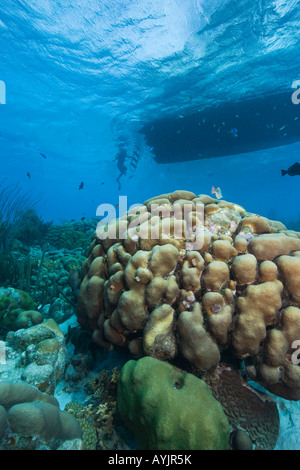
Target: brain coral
{"x":190,"y":277}
{"x":246,"y":409}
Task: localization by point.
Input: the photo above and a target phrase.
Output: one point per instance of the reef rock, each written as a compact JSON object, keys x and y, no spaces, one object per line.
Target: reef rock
{"x":35,"y":355}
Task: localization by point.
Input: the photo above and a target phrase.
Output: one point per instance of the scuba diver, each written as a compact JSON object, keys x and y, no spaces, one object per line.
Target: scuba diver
{"x":121,"y":157}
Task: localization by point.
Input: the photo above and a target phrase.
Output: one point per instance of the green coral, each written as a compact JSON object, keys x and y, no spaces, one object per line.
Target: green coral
{"x":17,"y":309}
{"x":26,"y":302}
{"x":168,"y":409}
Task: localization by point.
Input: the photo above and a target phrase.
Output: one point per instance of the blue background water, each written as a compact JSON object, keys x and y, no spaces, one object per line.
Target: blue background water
{"x":81,"y":75}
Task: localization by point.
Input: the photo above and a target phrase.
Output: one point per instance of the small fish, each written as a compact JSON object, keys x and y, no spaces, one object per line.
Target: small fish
{"x":44,"y":156}
{"x":292,"y":170}
{"x":283,"y":127}
{"x":234,"y":132}
{"x":72,"y":220}
{"x":117,"y":206}
{"x":82,"y":218}
{"x":81,"y":185}
{"x":150,"y":149}
{"x":28,"y":175}
{"x":217,"y":191}
{"x":101,"y":184}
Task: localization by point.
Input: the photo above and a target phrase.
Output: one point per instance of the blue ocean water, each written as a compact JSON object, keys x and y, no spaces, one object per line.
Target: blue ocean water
{"x":82,"y":76}
{"x":200,"y":93}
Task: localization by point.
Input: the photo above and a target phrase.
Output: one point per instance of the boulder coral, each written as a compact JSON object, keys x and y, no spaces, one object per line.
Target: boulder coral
{"x":186,"y":277}
{"x":28,"y":412}
{"x":168,"y":409}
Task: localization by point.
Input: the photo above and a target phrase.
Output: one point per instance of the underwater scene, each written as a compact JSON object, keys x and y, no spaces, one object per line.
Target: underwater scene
{"x":149,"y":226}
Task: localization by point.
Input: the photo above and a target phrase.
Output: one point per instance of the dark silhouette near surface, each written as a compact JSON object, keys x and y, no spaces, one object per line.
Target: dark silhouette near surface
{"x":121,"y":158}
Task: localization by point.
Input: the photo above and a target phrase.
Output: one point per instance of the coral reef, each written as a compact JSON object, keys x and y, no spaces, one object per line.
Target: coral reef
{"x":89,"y":432}
{"x":51,"y":278}
{"x":67,"y":236}
{"x":35,"y":355}
{"x":97,"y":417}
{"x":17,"y":309}
{"x":49,"y":274}
{"x":31,"y":419}
{"x":168,"y":409}
{"x":159,"y":294}
{"x":32,"y":230}
{"x":103,"y":402}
